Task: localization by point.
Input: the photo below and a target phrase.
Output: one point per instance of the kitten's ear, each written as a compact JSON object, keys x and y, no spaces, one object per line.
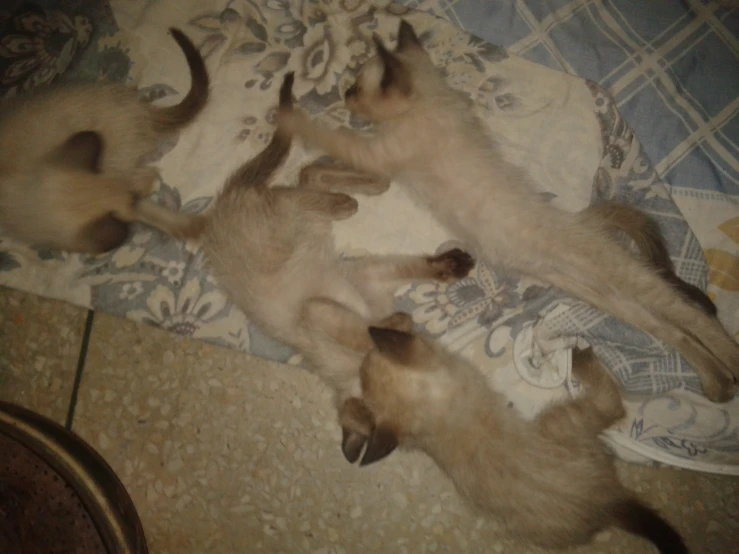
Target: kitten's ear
{"x":380,"y":45}
{"x":397,"y":345}
{"x":80,"y":151}
{"x":381,"y":443}
{"x":407,"y":37}
{"x":394,"y":75}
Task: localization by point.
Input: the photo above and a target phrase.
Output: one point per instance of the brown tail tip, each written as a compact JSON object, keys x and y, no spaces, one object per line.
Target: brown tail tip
{"x":173,"y":118}
{"x":635,"y":517}
{"x":179,"y":35}
{"x":286,"y":90}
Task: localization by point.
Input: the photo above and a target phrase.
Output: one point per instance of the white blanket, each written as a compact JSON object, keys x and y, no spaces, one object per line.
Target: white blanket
{"x":564,"y":130}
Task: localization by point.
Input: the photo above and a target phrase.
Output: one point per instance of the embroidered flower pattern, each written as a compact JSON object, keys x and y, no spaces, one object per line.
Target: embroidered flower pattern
{"x":38,"y":46}
{"x":483,"y":296}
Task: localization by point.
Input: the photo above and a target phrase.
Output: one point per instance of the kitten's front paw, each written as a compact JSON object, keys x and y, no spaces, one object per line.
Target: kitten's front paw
{"x":451,"y":265}
{"x":357,"y":424}
{"x":144,"y":180}
{"x":194,"y":228}
{"x":343,"y":206}
{"x":313,"y":176}
{"x":188,"y":227}
{"x":399,"y":321}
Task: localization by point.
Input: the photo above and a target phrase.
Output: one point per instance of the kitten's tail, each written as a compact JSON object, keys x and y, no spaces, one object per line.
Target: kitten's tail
{"x":179,"y":225}
{"x":645,"y":233}
{"x":634,"y":517}
{"x":258,"y":171}
{"x":175,"y":117}
{"x":629,"y":289}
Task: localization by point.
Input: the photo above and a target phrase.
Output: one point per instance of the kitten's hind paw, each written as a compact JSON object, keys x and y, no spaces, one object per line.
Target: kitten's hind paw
{"x":719,"y":388}
{"x":451,"y":265}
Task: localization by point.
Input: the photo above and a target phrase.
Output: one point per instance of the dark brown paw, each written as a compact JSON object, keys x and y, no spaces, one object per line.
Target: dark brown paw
{"x":311,"y":175}
{"x":451,"y":265}
{"x":192,"y":228}
{"x":399,"y":321}
{"x":343,"y":206}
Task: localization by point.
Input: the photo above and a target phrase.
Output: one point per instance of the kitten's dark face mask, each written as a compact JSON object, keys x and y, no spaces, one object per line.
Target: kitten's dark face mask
{"x":376,"y":423}
{"x":384,"y":88}
{"x":79,"y":157}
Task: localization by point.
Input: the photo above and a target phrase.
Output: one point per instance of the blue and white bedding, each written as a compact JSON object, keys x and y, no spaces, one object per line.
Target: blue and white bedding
{"x":672,"y":74}
{"x":672,"y":70}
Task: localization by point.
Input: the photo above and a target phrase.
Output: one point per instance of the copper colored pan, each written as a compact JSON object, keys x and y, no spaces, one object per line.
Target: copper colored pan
{"x":57,"y":495}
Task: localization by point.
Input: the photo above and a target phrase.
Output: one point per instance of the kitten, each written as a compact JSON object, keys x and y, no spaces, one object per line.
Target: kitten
{"x":272,"y":251}
{"x":72,"y":173}
{"x":550,"y":480}
{"x":427,"y":137}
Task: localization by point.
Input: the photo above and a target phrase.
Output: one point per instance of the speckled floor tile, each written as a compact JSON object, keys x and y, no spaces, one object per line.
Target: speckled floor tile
{"x":225,"y":453}
{"x":39,"y":347}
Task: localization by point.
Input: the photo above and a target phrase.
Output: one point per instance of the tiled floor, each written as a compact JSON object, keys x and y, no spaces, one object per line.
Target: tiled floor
{"x":39,"y":350}
{"x":224,"y":453}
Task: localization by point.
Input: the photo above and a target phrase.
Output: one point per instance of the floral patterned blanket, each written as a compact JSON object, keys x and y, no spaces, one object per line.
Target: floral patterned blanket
{"x":565,"y":130}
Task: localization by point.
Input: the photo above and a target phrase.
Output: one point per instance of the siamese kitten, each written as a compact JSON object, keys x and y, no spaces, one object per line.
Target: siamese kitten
{"x":550,"y":480}
{"x":632,"y":222}
{"x":72,"y":173}
{"x":427,"y":137}
{"x":272,"y":251}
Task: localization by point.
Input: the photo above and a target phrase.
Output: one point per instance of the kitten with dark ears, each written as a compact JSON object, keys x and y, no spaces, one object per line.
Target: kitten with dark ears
{"x":550,"y":480}
{"x":272,"y":250}
{"x":427,"y":137}
{"x":72,"y":173}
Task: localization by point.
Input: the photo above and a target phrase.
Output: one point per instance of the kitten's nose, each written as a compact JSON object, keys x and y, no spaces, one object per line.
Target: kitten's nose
{"x":351,"y":91}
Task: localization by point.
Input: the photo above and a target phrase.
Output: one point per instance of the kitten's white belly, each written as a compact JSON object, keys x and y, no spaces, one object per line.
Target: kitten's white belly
{"x":492,"y":214}
{"x":449,"y":208}
{"x":275,"y":301}
{"x":394,"y":222}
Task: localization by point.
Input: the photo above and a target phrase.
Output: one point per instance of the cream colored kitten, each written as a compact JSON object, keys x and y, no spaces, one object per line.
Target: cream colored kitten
{"x":72,"y":171}
{"x":550,"y":480}
{"x":272,"y":251}
{"x":427,"y":137}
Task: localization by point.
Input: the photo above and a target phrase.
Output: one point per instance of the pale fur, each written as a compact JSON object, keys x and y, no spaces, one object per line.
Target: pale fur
{"x":272,"y":251}
{"x":55,"y":193}
{"x":550,"y":481}
{"x":428,"y":138}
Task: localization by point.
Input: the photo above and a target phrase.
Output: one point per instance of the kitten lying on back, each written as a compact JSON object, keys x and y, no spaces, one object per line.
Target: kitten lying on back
{"x":72,"y":173}
{"x":426,"y":136}
{"x":272,"y":251}
{"x":550,"y":480}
